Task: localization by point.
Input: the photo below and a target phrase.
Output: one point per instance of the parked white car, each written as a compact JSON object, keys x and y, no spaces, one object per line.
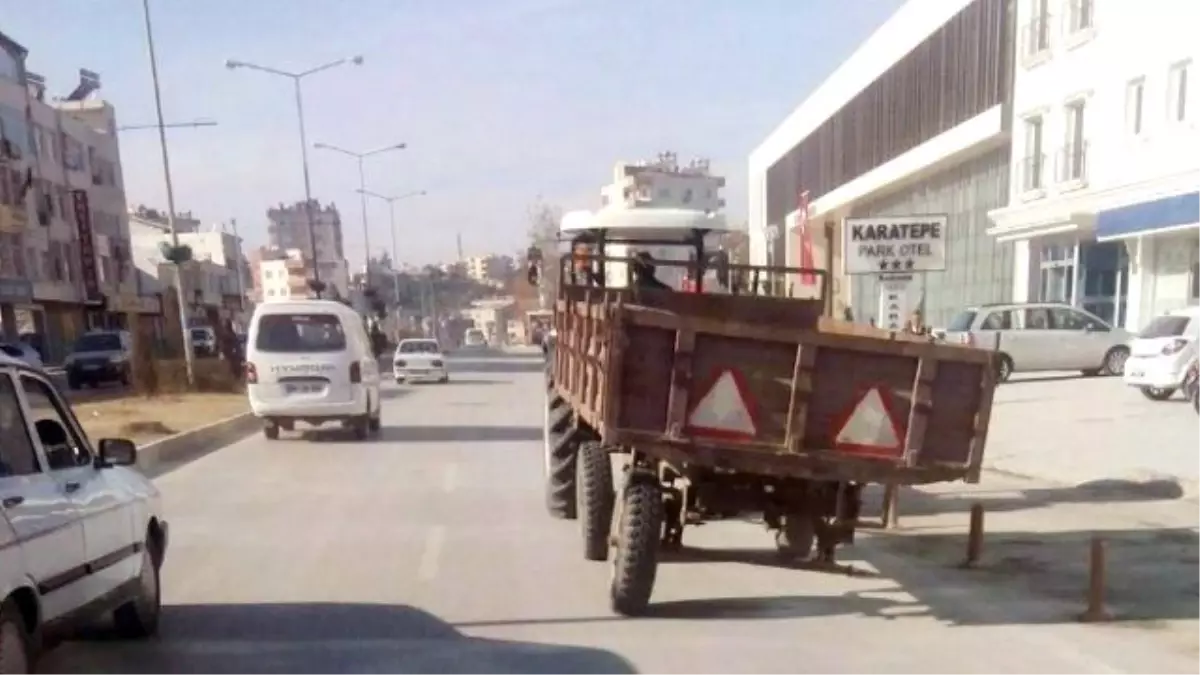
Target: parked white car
{"x":81,"y":531}
{"x":23,"y":353}
{"x":473,"y":338}
{"x":419,"y":359}
{"x":312,"y":361}
{"x":1042,"y":336}
{"x":1161,"y":353}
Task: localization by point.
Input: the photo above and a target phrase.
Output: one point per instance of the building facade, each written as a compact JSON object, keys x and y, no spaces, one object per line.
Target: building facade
{"x":663,"y":183}
{"x":913,"y":123}
{"x":489,"y":269}
{"x":284,"y":274}
{"x":64,"y":239}
{"x":1104,"y":206}
{"x":288,"y":229}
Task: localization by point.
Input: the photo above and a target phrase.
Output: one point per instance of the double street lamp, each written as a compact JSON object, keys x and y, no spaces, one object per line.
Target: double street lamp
{"x":296,"y":78}
{"x":391,"y":202}
{"x":362,"y":191}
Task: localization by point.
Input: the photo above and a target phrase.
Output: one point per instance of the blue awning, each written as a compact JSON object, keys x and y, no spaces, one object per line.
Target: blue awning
{"x":1149,"y":217}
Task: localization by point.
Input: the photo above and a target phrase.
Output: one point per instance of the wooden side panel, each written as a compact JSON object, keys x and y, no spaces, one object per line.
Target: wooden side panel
{"x":764,"y":368}
{"x":841,"y":377}
{"x":646,"y":378}
{"x":951,"y":424}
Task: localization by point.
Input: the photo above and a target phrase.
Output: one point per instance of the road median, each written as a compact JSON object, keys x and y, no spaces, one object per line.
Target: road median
{"x":163,"y":455}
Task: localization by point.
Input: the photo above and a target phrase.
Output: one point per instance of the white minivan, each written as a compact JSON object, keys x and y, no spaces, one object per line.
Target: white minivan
{"x":311,"y":361}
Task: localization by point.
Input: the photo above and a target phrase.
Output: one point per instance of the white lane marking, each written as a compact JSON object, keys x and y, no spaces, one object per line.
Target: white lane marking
{"x":450,"y":478}
{"x":427,"y":570}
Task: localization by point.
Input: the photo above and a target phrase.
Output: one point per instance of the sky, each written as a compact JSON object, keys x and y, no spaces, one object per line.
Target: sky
{"x":502,"y":103}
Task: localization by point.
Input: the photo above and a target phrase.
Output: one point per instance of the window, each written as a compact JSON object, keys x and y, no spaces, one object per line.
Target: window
{"x":1037,"y":318}
{"x":961,"y":321}
{"x":419,"y":347}
{"x":1074,"y":150}
{"x":300,"y":333}
{"x":998,"y":320}
{"x":1037,"y":36}
{"x":1135,"y":93}
{"x":1169,"y":325}
{"x":1034,"y":153}
{"x":72,"y":153}
{"x":1177,"y":98}
{"x":1062,"y":318}
{"x":63,"y":447}
{"x":1081,"y":15}
{"x":17,"y":456}
{"x":98,"y":342}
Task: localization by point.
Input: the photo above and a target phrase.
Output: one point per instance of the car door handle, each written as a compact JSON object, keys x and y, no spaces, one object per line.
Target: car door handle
{"x":71,"y":486}
{"x":15,"y":500}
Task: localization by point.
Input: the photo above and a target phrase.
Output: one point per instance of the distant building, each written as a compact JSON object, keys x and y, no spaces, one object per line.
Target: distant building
{"x":284,"y":274}
{"x":288,"y":229}
{"x":663,"y":183}
{"x":488,"y":269}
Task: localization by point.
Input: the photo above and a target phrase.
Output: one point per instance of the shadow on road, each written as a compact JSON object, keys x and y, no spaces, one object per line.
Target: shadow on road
{"x":459,"y":434}
{"x":319,"y":638}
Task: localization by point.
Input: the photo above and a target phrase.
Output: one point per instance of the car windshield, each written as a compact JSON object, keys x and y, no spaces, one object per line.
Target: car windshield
{"x":98,"y":342}
{"x":961,"y":321}
{"x":300,"y":333}
{"x":474,"y":334}
{"x":419,"y":347}
{"x":1165,"y":326}
{"x":199,"y":334}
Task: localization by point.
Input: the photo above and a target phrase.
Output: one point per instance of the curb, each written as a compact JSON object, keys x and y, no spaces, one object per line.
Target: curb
{"x":165,"y":454}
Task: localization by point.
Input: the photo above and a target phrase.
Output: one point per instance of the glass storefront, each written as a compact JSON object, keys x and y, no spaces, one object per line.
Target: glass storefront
{"x":1091,"y":275}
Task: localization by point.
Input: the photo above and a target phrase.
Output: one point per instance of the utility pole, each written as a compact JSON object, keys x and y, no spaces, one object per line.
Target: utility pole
{"x":237,"y":262}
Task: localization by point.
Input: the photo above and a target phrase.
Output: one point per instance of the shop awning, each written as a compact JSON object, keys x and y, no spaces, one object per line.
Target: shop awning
{"x":1169,"y":213}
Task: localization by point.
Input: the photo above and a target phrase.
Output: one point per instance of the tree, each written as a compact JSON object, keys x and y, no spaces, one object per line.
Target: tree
{"x":544,"y":220}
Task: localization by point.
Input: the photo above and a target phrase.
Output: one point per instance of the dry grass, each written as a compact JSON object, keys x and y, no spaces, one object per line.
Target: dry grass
{"x":146,"y":419}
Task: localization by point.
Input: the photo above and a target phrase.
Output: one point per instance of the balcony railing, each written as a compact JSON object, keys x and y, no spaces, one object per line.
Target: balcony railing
{"x":1033,"y":173}
{"x":1072,"y":162}
{"x":1036,"y":36}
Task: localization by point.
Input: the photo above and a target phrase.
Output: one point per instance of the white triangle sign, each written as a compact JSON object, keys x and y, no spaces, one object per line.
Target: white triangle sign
{"x":723,"y":409}
{"x":870,"y":425}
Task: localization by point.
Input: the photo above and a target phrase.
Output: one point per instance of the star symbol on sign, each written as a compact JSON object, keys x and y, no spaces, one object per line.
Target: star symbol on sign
{"x":909,"y":264}
{"x":896,"y":264}
{"x":883,"y":265}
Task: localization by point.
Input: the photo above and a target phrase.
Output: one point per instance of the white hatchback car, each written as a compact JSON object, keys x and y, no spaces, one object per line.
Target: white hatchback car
{"x":419,"y":359}
{"x":81,"y":531}
{"x":1161,"y":353}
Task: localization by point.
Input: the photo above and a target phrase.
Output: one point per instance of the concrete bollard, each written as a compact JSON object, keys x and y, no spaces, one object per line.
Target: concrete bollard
{"x":1097,"y":582}
{"x":974,"y":537}
{"x":891,"y":501}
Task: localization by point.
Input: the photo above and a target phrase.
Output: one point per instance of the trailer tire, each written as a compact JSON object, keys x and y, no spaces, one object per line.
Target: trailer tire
{"x":635,"y":560}
{"x":561,"y":443}
{"x":594,"y":498}
{"x":796,"y":538}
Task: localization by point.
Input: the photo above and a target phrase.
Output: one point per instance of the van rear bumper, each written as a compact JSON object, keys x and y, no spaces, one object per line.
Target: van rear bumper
{"x":283,"y":409}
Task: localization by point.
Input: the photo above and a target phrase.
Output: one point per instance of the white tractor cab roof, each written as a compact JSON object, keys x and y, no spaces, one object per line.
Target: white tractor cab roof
{"x":665,"y":234}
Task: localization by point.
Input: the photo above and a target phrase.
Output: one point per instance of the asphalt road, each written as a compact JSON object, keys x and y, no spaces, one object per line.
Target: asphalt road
{"x":428,"y":550}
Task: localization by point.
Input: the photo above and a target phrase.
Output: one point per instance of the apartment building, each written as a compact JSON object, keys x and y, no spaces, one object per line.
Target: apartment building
{"x":1104,"y":206}
{"x":284,"y":274}
{"x":489,"y":269}
{"x":664,"y":183}
{"x":64,"y":239}
{"x":289,"y":230}
{"x":211,"y":279}
{"x":913,"y":123}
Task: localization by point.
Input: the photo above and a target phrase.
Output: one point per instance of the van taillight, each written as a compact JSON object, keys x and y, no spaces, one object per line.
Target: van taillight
{"x":251,"y":373}
{"x":355,"y":373}
{"x":1174,"y":346}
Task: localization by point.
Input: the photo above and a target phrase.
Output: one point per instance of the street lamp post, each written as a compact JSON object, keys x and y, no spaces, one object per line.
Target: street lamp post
{"x":296,"y":78}
{"x":362,"y":191}
{"x":173,"y":125}
{"x":391,"y":202}
{"x":166,"y":162}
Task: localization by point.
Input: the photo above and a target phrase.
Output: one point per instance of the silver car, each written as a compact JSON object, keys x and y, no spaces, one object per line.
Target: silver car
{"x":1042,"y":336}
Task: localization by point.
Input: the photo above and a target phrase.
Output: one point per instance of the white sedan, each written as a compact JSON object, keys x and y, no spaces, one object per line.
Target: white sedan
{"x":420,"y":360}
{"x":1160,"y":355}
{"x":81,"y":530}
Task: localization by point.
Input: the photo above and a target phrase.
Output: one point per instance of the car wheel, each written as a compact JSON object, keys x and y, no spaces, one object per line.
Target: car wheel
{"x":375,"y":421}
{"x":361,"y":427}
{"x":271,"y":431}
{"x":1004,"y":368}
{"x":1114,"y":360}
{"x":73,"y":383}
{"x":1157,"y":393}
{"x":16,"y":644}
{"x":138,"y":618}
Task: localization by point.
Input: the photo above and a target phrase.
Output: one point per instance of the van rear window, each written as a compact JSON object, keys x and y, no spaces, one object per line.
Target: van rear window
{"x":300,"y":333}
{"x":1171,"y":325}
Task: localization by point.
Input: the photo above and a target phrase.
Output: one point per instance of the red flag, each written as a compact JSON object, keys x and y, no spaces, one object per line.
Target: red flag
{"x":804,"y":239}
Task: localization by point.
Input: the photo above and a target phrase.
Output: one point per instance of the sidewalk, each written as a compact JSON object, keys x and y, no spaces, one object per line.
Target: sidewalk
{"x":1034,"y":568}
{"x":1073,"y":430}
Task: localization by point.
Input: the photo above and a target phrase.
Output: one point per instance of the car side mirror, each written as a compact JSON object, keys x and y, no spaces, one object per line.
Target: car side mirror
{"x":117,"y":452}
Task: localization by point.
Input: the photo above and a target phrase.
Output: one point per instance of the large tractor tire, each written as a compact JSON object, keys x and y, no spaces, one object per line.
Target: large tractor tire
{"x":635,"y":560}
{"x":561,"y":446}
{"x":594,"y":498}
